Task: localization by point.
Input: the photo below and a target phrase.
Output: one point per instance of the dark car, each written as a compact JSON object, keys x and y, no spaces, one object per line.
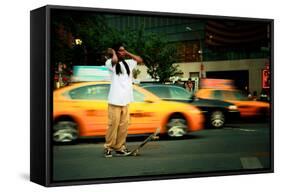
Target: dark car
{"x":216,"y":112}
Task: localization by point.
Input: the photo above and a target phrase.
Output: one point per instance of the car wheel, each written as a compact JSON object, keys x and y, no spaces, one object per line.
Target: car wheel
{"x":217,"y":119}
{"x":65,"y":132}
{"x":176,"y":127}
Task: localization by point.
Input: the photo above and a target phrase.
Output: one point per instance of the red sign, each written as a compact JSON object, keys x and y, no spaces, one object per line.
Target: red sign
{"x":265,"y":79}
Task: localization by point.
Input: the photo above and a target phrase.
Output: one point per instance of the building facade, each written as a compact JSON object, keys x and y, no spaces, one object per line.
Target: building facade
{"x":228,"y":49}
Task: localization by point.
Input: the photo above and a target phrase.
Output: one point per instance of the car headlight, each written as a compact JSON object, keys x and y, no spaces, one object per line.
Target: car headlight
{"x":232,"y":107}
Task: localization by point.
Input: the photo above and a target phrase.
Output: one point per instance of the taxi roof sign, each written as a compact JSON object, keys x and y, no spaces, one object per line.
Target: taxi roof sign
{"x":90,"y":73}
{"x":216,"y":84}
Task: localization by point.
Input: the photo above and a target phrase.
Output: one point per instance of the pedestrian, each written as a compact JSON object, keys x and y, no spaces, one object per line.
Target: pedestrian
{"x":120,"y":65}
{"x":189,"y":88}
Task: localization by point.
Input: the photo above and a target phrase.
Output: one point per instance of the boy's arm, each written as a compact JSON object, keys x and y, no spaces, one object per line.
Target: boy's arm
{"x":138,"y":59}
{"x":114,"y":59}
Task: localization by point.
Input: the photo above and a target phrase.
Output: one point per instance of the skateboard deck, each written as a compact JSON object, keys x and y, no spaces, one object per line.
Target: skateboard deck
{"x":151,"y":137}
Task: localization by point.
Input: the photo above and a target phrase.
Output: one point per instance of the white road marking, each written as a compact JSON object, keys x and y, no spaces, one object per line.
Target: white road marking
{"x":248,"y":130}
{"x":250,"y":163}
{"x":241,"y":129}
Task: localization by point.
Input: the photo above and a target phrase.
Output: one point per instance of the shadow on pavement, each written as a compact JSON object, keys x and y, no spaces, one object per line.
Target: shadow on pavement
{"x":130,"y":138}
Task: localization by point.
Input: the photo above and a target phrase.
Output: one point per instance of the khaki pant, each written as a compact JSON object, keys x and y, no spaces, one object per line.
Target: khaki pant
{"x":118,"y":122}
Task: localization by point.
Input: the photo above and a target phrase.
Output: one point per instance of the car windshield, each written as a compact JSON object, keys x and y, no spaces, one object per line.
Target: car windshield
{"x":234,"y":95}
{"x":169,"y":92}
{"x":98,"y":92}
{"x":180,"y":93}
{"x":160,"y":91}
{"x":239,"y":95}
{"x":90,"y":92}
{"x":138,"y":97}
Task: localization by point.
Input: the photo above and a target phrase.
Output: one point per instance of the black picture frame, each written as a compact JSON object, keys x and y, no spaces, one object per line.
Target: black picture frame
{"x":41,"y":83}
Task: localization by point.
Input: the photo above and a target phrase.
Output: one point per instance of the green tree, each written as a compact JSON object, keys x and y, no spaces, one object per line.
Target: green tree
{"x":97,"y":36}
{"x":157,"y":54}
{"x":91,"y":28}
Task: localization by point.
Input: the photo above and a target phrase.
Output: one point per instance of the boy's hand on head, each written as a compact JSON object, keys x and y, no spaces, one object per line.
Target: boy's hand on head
{"x":110,"y":51}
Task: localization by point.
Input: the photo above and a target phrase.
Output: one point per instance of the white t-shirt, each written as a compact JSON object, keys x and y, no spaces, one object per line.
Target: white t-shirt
{"x":121,"y":88}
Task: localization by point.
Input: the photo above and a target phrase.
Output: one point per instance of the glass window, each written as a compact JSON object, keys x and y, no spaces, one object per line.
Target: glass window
{"x":162,"y":92}
{"x":235,"y":95}
{"x":193,"y":74}
{"x":229,"y":95}
{"x":179,"y":93}
{"x":239,"y":95}
{"x":217,"y":95}
{"x":92,"y":92}
{"x":138,"y":97}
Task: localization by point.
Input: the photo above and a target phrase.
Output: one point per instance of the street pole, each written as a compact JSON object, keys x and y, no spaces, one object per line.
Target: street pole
{"x":200,"y":51}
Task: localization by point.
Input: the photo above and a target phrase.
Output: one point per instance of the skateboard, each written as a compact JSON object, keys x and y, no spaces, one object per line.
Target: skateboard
{"x":151,"y":137}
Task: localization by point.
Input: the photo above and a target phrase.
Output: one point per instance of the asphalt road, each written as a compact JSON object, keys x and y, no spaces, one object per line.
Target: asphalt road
{"x":235,"y":147}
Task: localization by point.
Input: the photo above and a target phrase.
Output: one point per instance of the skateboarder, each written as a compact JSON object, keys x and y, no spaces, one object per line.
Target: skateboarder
{"x":121,"y":65}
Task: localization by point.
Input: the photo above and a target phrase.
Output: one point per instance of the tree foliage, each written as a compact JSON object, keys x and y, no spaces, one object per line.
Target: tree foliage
{"x":97,"y":36}
{"x":159,"y":56}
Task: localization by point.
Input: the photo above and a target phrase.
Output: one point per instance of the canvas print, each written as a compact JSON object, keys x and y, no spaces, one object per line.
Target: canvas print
{"x":146,"y":95}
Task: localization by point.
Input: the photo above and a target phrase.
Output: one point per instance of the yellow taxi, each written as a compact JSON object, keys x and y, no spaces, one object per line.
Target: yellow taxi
{"x":248,"y":108}
{"x":80,"y":110}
